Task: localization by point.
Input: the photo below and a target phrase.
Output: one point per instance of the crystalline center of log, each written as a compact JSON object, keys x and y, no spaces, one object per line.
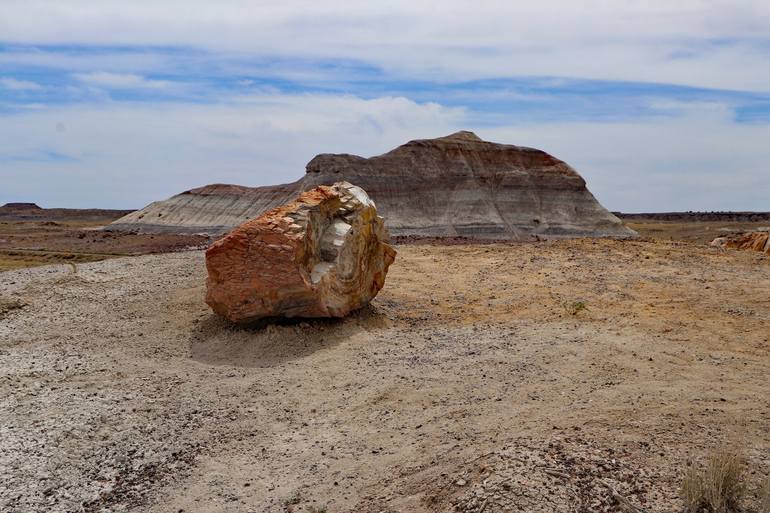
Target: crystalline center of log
{"x":319,"y":270}
{"x":332,"y":239}
{"x":359,"y":194}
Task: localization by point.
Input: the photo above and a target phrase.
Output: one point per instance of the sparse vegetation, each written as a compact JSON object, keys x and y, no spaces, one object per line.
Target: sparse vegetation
{"x":574,"y":307}
{"x":8,"y":306}
{"x":719,"y":487}
{"x":17,"y":259}
{"x":292,"y":500}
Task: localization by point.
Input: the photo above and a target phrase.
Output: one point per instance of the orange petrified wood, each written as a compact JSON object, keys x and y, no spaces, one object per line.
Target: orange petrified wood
{"x":321,"y":255}
{"x":756,"y":241}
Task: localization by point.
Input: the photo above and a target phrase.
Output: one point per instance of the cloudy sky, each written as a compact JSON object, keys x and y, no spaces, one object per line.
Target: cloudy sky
{"x":660,"y":105}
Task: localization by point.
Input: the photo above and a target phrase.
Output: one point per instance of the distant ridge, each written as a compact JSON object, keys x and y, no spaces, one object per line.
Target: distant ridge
{"x":743,"y":217}
{"x":33,"y":212}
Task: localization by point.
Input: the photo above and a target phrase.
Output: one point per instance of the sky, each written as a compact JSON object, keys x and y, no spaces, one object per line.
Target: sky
{"x":659,"y":105}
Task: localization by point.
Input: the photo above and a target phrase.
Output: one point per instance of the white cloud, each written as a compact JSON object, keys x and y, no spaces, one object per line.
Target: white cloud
{"x":120,"y":80}
{"x":691,"y":156}
{"x":699,"y":160}
{"x":717,"y":43}
{"x":132,"y":154}
{"x":19,"y":85}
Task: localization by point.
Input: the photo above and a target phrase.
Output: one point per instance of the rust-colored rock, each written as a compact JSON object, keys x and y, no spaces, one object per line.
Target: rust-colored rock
{"x":755,"y":241}
{"x":322,"y":255}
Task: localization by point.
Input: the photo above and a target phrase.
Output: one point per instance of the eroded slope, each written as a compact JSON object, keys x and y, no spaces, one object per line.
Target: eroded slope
{"x":444,"y":187}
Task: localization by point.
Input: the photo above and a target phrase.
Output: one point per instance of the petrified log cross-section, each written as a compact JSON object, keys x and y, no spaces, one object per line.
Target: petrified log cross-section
{"x":322,"y":255}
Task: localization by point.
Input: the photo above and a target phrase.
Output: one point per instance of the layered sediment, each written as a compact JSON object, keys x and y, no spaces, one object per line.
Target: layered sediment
{"x":458,"y":185}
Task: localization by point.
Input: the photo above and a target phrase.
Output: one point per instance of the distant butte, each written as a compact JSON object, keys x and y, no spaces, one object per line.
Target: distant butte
{"x":457,"y":185}
{"x":21,"y":206}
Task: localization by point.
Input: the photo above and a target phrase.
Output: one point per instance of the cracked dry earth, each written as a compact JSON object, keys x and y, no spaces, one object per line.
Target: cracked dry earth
{"x":467,"y":385}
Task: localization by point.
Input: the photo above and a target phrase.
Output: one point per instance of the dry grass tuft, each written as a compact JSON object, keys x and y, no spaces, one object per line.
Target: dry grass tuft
{"x":7,"y":306}
{"x":574,"y":307}
{"x":717,"y":488}
{"x":19,"y":259}
{"x":764,"y":496}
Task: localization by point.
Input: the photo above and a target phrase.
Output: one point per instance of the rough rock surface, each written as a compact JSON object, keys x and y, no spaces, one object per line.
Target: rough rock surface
{"x":322,"y":255}
{"x":458,"y":185}
{"x":756,"y":241}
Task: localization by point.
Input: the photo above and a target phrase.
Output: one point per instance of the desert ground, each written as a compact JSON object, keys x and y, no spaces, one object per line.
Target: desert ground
{"x":39,"y":236}
{"x":32,"y":236}
{"x":697,"y":232}
{"x":543,"y":376}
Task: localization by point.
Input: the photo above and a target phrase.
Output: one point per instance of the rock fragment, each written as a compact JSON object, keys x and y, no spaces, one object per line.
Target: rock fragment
{"x":324,"y":254}
{"x":756,"y":241}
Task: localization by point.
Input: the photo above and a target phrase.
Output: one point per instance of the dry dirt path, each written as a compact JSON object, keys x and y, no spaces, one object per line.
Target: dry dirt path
{"x":468,"y":384}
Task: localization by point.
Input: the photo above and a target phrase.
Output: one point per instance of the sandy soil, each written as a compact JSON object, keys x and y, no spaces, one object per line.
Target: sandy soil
{"x":35,"y":236}
{"x":699,"y":232}
{"x":31,"y":242}
{"x":475,"y":382}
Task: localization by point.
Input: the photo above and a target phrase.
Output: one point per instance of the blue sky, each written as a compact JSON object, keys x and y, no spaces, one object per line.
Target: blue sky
{"x":659,"y":106}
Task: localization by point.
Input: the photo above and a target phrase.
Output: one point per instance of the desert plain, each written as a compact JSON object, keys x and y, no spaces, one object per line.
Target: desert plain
{"x":539,"y":376}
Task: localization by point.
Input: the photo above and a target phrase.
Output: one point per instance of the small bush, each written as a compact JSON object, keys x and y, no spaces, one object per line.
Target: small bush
{"x":7,"y":306}
{"x":293,"y":499}
{"x":574,"y":307}
{"x":717,"y":488}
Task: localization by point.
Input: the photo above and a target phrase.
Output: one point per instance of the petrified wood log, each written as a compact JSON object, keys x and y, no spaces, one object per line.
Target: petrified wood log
{"x":322,"y":255}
